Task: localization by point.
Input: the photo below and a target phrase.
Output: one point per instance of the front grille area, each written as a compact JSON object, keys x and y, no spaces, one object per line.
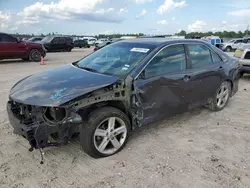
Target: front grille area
{"x":25,"y":113}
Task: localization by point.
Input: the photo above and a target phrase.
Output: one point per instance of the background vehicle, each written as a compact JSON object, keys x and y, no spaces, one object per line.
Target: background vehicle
{"x":99,"y":41}
{"x":91,"y":40}
{"x":58,"y":43}
{"x":101,"y":45}
{"x":244,"y":57}
{"x":12,"y":48}
{"x":35,"y":39}
{"x":230,"y":45}
{"x":81,"y":43}
{"x":214,"y":40}
{"x":119,"y":88}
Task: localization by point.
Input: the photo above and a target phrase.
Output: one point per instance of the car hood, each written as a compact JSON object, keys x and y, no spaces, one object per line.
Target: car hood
{"x":58,"y":86}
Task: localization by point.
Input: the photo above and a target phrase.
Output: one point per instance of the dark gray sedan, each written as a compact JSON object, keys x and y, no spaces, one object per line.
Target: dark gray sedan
{"x":118,"y":88}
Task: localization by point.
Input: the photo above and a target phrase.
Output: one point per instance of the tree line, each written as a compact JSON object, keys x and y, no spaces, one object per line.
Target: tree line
{"x":221,"y":34}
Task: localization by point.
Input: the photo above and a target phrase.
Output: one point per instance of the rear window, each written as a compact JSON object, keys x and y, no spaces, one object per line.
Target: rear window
{"x":247,"y":56}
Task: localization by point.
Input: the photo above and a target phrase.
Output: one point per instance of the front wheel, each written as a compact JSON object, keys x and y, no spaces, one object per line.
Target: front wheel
{"x":228,"y":49}
{"x":35,"y":55}
{"x":221,"y":96}
{"x":105,"y":133}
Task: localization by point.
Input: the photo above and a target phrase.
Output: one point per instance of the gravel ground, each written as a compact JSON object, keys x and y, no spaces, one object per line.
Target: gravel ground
{"x":196,"y":149}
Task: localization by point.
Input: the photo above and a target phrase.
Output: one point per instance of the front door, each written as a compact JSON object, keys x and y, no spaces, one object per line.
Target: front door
{"x":10,"y":47}
{"x":160,"y":88}
{"x":55,"y":44}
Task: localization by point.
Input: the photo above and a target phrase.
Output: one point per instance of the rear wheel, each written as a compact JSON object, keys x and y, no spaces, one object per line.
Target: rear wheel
{"x":35,"y":55}
{"x":105,"y":133}
{"x":229,"y":49}
{"x":221,"y":97}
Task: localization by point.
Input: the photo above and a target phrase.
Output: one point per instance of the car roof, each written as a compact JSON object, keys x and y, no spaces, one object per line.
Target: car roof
{"x":162,"y":41}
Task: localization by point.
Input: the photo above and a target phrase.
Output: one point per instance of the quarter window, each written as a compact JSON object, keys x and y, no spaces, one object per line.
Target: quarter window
{"x":169,"y":60}
{"x":199,"y":55}
{"x":215,"y":57}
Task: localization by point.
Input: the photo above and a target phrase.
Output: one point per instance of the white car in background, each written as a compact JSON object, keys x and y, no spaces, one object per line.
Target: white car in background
{"x":243,"y":54}
{"x":231,"y":45}
{"x":90,"y":40}
{"x":100,"y":41}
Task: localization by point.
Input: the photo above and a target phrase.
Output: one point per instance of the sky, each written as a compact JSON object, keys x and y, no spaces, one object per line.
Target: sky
{"x":92,"y":17}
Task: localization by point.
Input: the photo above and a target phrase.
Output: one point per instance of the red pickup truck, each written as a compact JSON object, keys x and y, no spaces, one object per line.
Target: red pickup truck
{"x":13,"y":48}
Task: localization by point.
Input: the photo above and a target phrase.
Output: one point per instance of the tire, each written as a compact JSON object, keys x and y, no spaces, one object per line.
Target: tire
{"x":228,"y":49}
{"x":80,"y":46}
{"x":100,"y":119}
{"x":35,"y":55}
{"x":215,"y":105}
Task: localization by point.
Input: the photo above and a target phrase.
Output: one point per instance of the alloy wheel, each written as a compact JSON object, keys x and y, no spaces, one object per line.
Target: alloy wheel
{"x":222,"y":95}
{"x":36,"y":55}
{"x":110,"y":135}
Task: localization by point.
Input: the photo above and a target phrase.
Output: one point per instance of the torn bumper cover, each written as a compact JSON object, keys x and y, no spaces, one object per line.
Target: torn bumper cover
{"x":30,"y":124}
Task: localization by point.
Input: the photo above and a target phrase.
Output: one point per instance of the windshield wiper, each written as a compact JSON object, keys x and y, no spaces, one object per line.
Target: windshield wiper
{"x":86,"y":68}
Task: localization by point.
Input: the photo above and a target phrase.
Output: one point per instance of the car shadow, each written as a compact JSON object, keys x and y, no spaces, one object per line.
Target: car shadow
{"x":10,"y":61}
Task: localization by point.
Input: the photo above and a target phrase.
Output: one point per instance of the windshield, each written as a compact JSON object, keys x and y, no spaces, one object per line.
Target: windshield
{"x":32,"y":38}
{"x":47,"y":39}
{"x":116,"y":59}
{"x":231,"y":41}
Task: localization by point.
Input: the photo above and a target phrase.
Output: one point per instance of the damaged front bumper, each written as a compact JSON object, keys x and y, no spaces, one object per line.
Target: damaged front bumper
{"x":38,"y":132}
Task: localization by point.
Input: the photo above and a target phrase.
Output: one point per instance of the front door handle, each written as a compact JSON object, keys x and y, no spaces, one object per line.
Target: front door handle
{"x":186,"y":78}
{"x":220,"y":68}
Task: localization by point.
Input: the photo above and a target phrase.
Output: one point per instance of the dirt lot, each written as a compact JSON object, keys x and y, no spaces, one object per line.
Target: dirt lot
{"x":194,"y":150}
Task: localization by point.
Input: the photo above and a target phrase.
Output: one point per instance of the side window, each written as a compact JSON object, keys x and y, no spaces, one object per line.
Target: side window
{"x":169,"y":60}
{"x":238,"y":41}
{"x":199,"y":55}
{"x":7,"y":38}
{"x":215,"y":57}
{"x":55,"y":40}
{"x":62,"y":40}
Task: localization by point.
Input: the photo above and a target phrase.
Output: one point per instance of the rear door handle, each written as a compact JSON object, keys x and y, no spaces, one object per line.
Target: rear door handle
{"x":186,"y":78}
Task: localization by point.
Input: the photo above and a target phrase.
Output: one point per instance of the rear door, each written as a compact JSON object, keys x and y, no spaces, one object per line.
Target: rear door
{"x":205,"y":70}
{"x":160,"y":87}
